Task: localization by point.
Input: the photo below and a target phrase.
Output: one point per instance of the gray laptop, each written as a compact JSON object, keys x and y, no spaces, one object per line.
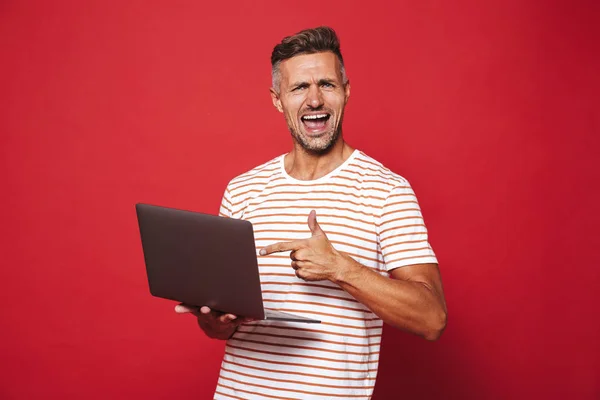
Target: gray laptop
{"x":204,"y":260}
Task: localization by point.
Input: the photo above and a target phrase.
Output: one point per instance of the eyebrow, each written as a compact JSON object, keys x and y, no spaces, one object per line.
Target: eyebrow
{"x":320,"y":82}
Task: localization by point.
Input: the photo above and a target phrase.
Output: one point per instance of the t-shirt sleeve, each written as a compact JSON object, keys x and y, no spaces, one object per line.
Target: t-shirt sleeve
{"x":402,"y":232}
{"x":226,"y":209}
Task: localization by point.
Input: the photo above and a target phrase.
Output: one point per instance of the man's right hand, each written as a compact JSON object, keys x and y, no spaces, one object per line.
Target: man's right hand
{"x":215,"y":325}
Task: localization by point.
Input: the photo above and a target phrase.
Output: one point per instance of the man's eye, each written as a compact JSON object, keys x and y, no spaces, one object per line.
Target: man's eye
{"x":327,"y":85}
{"x":299,"y":88}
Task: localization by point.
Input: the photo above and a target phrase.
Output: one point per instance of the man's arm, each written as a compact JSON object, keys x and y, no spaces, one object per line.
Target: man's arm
{"x":412,"y":301}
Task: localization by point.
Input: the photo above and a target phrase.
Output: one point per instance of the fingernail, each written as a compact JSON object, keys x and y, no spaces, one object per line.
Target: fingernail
{"x":263,"y":252}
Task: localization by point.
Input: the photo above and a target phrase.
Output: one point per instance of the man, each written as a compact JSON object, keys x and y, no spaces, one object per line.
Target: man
{"x":333,"y":226}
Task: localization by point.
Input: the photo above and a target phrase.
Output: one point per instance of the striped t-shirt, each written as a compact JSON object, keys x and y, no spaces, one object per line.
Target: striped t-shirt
{"x":368,"y":212}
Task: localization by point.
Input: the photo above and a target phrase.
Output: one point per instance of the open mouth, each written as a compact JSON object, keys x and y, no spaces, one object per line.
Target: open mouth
{"x":315,"y":122}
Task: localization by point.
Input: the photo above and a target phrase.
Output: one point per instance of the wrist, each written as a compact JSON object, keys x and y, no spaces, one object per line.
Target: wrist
{"x":347,"y":269}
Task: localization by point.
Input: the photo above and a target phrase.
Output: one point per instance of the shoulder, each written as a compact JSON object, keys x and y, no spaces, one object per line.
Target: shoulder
{"x":375,"y":173}
{"x":257,"y":176}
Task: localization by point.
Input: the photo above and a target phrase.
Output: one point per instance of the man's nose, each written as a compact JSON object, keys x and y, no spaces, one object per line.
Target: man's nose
{"x":315,"y":98}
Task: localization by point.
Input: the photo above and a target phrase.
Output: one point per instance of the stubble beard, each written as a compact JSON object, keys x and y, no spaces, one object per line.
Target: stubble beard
{"x":318,"y":145}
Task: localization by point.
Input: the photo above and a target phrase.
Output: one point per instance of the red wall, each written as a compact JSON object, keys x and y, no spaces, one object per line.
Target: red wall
{"x":490,"y":109}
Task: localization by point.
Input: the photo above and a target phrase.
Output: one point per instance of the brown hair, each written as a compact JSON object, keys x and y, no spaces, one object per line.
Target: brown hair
{"x":308,"y":41}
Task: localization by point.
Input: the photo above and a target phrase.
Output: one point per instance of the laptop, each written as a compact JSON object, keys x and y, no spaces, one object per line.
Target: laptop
{"x":204,"y":260}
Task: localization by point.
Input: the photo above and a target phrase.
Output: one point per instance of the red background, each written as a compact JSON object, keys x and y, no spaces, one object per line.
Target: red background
{"x":490,"y":109}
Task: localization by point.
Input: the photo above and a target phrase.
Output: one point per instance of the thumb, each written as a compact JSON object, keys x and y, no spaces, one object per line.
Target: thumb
{"x":315,"y":229}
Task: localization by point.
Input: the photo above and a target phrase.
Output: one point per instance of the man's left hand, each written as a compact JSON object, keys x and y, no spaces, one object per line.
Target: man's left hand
{"x":314,"y":259}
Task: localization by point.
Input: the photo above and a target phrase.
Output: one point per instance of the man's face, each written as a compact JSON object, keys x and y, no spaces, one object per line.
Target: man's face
{"x":312,"y":97}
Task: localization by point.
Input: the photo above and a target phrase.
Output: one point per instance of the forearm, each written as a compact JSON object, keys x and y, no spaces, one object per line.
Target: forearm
{"x":409,"y":305}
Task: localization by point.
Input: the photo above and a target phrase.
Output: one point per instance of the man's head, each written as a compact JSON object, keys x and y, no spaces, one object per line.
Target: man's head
{"x":310,"y":87}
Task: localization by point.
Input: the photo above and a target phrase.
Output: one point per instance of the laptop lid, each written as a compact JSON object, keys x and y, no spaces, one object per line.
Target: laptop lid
{"x":200,"y":259}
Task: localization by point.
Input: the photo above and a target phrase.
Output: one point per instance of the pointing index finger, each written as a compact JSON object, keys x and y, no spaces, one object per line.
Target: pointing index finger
{"x":281,"y":246}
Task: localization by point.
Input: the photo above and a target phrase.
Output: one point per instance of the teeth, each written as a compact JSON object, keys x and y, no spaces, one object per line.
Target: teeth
{"x":315,"y":116}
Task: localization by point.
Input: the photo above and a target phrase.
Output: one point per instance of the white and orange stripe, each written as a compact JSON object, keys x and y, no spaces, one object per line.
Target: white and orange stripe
{"x":367,"y":211}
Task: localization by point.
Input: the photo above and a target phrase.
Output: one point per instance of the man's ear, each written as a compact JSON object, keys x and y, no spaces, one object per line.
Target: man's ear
{"x":347,"y":91}
{"x":276,"y":100}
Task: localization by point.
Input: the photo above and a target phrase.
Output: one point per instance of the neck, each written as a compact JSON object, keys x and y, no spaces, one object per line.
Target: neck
{"x":307,"y":166}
